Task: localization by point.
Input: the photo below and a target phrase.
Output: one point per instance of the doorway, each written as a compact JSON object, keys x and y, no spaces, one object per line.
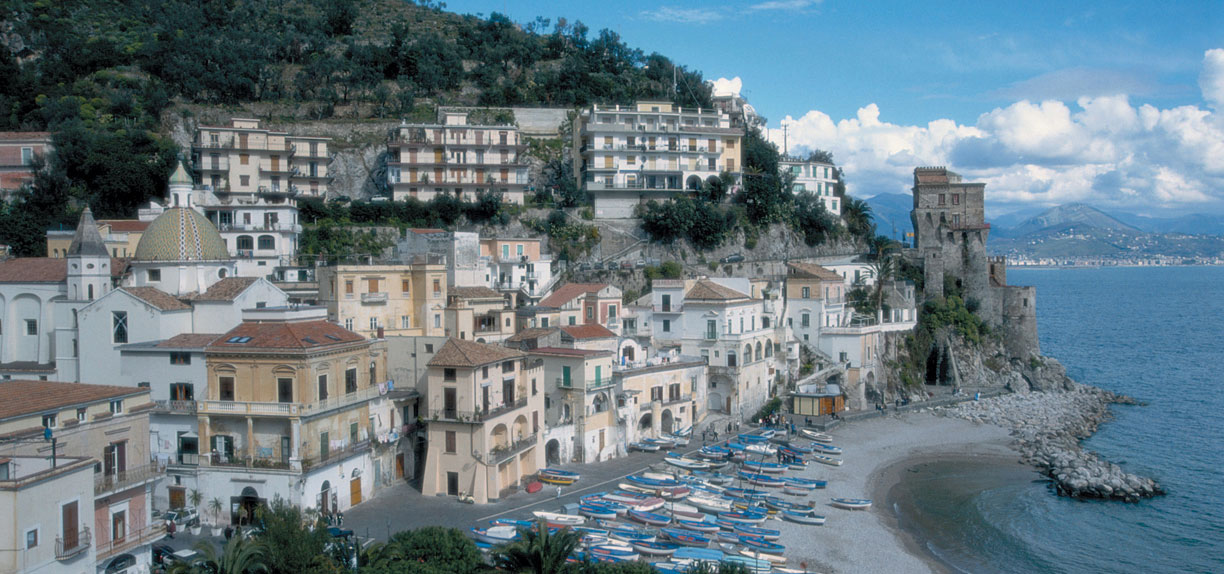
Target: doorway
{"x":355,"y":491}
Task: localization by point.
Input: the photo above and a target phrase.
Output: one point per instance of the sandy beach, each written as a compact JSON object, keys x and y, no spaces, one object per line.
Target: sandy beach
{"x":877,"y":451}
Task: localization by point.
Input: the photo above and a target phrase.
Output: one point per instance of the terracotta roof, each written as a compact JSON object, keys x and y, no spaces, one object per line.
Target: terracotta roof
{"x":157,"y":298}
{"x":22,"y":398}
{"x":531,"y":333}
{"x":33,"y":270}
{"x":27,"y":367}
{"x":815,"y":271}
{"x":463,"y":353}
{"x":226,"y":289}
{"x":424,"y":231}
{"x":284,"y":335}
{"x":189,"y":341}
{"x":566,"y":293}
{"x":588,"y":331}
{"x":474,"y":293}
{"x":125,"y":225}
{"x":560,"y":351}
{"x":710,"y":291}
{"x":25,"y":136}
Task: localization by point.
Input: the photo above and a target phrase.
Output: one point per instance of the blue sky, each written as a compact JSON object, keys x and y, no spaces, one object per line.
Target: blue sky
{"x":1025,"y":96}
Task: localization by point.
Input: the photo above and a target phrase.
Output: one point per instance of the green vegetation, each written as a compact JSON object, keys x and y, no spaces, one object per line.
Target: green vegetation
{"x":569,"y":239}
{"x":429,"y":550}
{"x":666,"y":270}
{"x":951,"y":312}
{"x":770,"y":407}
{"x":290,"y":547}
{"x":704,"y":224}
{"x":538,"y":551}
{"x":239,"y":555}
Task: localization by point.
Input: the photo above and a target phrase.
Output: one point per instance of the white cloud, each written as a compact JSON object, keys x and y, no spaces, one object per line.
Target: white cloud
{"x":782,"y":5}
{"x":683,"y":15}
{"x":725,"y":87}
{"x":1100,"y":149}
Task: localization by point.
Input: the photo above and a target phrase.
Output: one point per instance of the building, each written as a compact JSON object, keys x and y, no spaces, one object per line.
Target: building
{"x":455,"y":157}
{"x":653,"y":150}
{"x":402,"y":299}
{"x":518,"y":268}
{"x":100,"y":522}
{"x":579,"y":409}
{"x":485,"y":409}
{"x":121,"y":236}
{"x":815,"y":299}
{"x":18,"y":154}
{"x":663,"y":394}
{"x":818,"y":178}
{"x":478,"y":314}
{"x":242,"y":160}
{"x":586,"y":304}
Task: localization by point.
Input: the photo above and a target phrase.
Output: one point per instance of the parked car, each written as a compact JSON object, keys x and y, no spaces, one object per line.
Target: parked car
{"x":187,"y":516}
{"x":599,"y":265}
{"x":626,"y":264}
{"x":732,"y":258}
{"x":162,"y":554}
{"x":640,"y":263}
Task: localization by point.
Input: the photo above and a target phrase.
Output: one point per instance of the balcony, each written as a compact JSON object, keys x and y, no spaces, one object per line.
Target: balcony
{"x":500,"y":454}
{"x":240,"y":460}
{"x":73,"y":546}
{"x":147,"y":535}
{"x":213,"y":164}
{"x":247,"y":408}
{"x":451,"y":415}
{"x":684,"y":398}
{"x":669,"y":308}
{"x":591,"y":385}
{"x":374,"y":298}
{"x":710,"y":336}
{"x":174,"y":407}
{"x":126,"y":478}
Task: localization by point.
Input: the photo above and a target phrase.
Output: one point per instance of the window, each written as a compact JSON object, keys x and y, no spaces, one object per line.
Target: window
{"x":244,"y":180}
{"x":711,"y":329}
{"x":404,"y":286}
{"x":27,"y":155}
{"x":590,"y":312}
{"x":350,"y":381}
{"x":31,"y":538}
{"x":353,"y":433}
{"x":373,"y":372}
{"x":180,"y":358}
{"x":226,"y":388}
{"x":373,"y":323}
{"x":154,"y":275}
{"x":118,"y":526}
{"x":806,"y":293}
{"x":437,"y":287}
{"x":246,"y":242}
{"x":284,"y":390}
{"x":267,"y":242}
{"x":508,"y":367}
{"x":48,"y":421}
{"x":116,"y":407}
{"x":244,"y":159}
{"x":428,"y":347}
{"x":656,"y":393}
{"x":484,"y":372}
{"x":119,"y":327}
{"x":611,"y":311}
{"x":448,"y":374}
{"x":942,"y":199}
{"x":667,"y":325}
{"x":31,"y":326}
{"x":322,"y":387}
{"x":80,"y":414}
{"x":572,"y":320}
{"x":182,"y":392}
{"x":405,"y":322}
{"x":805,"y":320}
{"x":348,"y":324}
{"x":955,"y":199}
{"x":450,"y":442}
{"x":437,"y":321}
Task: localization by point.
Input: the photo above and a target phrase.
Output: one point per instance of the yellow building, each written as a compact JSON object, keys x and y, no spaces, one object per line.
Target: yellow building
{"x":407,"y":299}
{"x":485,"y":409}
{"x":120,"y":235}
{"x":580,"y":408}
{"x":666,"y":395}
{"x":478,"y":314}
{"x":243,"y":158}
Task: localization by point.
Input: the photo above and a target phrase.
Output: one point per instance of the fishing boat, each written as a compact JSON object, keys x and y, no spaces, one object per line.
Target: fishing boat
{"x":596,"y":511}
{"x":685,"y":463}
{"x":779,"y":504}
{"x":727,"y":536}
{"x":588,"y":531}
{"x":761,"y":480}
{"x":495,"y":534}
{"x":772,"y":559}
{"x":681,"y":510}
{"x":662,"y":442}
{"x":757,"y":531}
{"x":655,"y":548}
{"x":634,"y":500}
{"x":762,"y":545}
{"x":797,"y":447}
{"x":649,"y":518}
{"x":685,"y":432}
{"x":714,"y":452}
{"x":701,"y":554}
{"x":709,"y":504}
{"x":749,"y":438}
{"x":558,"y":476}
{"x":697,"y":526}
{"x":797,"y":465}
{"x":644,"y":446}
{"x":686,"y":537}
{"x":558,"y":519}
{"x":679,"y":440}
{"x":622,"y":552}
{"x":826,"y":449}
{"x":804,"y":483}
{"x":827,"y":460}
{"x":800,"y":517}
{"x":512,"y":523}
{"x":816,"y":435}
{"x":761,"y":466}
{"x":852,"y":503}
{"x":746,"y":493}
{"x":744,"y":517}
{"x":762,"y":449}
{"x":712,"y":478}
{"x":630,"y":535}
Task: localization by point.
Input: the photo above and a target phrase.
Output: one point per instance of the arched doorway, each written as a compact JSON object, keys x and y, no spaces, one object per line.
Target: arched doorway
{"x":667,"y":420}
{"x":627,"y":353}
{"x":693,"y":183}
{"x":323,"y":499}
{"x":247,"y":504}
{"x":646,"y":423}
{"x":552,"y":452}
{"x":715,"y":402}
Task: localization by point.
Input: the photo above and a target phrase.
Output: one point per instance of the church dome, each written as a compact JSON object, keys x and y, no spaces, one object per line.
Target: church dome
{"x":180,"y":175}
{"x":181,"y":234}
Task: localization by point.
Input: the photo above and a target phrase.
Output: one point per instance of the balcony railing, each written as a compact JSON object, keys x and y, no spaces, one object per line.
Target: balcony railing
{"x":711,"y":335}
{"x":126,"y":478}
{"x":590,"y":385}
{"x":476,"y":416}
{"x":182,"y":407}
{"x":374,"y":298}
{"x":147,"y":535}
{"x":499,"y":454}
{"x":247,"y":408}
{"x":669,"y":308}
{"x":684,"y":398}
{"x":67,"y":550}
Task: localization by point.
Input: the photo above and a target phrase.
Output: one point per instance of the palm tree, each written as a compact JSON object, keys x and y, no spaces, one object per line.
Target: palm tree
{"x":857,"y":215}
{"x":884,"y":267}
{"x":537,"y":551}
{"x":240,"y":555}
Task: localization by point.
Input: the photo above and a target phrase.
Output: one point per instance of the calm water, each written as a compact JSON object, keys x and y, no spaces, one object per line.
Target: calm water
{"x":1156,"y":335}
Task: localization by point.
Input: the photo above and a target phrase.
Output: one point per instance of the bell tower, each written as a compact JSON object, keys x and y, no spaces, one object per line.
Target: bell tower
{"x":89,"y":262}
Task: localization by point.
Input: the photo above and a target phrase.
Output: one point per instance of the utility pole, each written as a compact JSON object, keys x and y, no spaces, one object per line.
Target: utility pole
{"x":785,"y":145}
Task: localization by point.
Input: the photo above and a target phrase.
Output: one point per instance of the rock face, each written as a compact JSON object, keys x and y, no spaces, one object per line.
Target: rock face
{"x":1048,"y":427}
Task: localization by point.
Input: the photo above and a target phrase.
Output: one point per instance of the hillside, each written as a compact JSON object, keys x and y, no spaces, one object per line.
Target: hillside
{"x":891,"y":211}
{"x":1065,"y":216}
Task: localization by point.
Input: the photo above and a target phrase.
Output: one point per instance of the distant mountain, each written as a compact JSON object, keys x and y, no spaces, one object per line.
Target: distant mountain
{"x":892,"y":210}
{"x":1193,"y":224}
{"x":1079,"y":215}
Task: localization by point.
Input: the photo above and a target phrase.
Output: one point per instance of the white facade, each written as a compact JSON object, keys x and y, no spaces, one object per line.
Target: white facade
{"x":32,"y":516}
{"x":817,"y":178}
{"x":27,"y":317}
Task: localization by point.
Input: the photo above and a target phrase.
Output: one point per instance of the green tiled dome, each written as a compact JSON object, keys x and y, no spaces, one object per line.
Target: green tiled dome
{"x":181,"y":234}
{"x":180,"y":175}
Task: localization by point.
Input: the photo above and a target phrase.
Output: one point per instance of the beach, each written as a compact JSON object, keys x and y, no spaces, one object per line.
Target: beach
{"x":877,"y":452}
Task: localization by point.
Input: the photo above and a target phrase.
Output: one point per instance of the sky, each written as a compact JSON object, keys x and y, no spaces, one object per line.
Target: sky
{"x":1116,"y":104}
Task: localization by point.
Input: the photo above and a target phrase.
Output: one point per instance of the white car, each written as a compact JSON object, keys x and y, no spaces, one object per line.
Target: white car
{"x":187,"y":516}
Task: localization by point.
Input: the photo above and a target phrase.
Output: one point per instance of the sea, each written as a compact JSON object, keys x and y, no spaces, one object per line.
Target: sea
{"x":1153,"y":333}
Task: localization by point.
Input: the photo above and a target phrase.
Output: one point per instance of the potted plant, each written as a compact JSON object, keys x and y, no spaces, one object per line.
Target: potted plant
{"x":195,"y":498}
{"x":214,"y":506}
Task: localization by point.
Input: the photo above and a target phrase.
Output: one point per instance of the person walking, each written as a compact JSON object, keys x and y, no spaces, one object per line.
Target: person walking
{"x":558,"y":491}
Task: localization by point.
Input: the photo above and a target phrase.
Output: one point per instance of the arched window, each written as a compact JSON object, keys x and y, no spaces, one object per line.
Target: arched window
{"x":758,"y":351}
{"x":267,"y":242}
{"x":747,"y":352}
{"x":769,"y":350}
{"x":91,"y":292}
{"x":246,"y":242}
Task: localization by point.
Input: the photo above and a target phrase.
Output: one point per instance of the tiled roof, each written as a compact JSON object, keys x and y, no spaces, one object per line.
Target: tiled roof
{"x":566,"y":293}
{"x":588,"y":331}
{"x":226,"y":289}
{"x":304,"y":335}
{"x":27,"y":367}
{"x":181,"y":234}
{"x":531,"y":333}
{"x":815,"y":271}
{"x":564,"y":352}
{"x":124,"y":225}
{"x":474,"y":293}
{"x":463,"y":353}
{"x":33,"y":270}
{"x":157,"y":298}
{"x":426,"y":231}
{"x":189,"y":341}
{"x":87,"y":240}
{"x":22,"y":398}
{"x":710,"y":291}
{"x":5,"y":136}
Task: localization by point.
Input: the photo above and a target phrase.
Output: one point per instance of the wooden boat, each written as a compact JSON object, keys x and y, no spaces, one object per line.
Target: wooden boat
{"x":701,"y":554}
{"x":757,"y":531}
{"x":596,"y":511}
{"x":762,"y":545}
{"x":528,"y":524}
{"x":652,"y":481}
{"x":644,"y":447}
{"x":746,"y":493}
{"x":749,"y":438}
{"x":827,"y":460}
{"x":852,"y":503}
{"x":662,"y":442}
{"x":558,"y":519}
{"x":669,"y":492}
{"x":655,"y":548}
{"x":761,"y":480}
{"x":679,"y":440}
{"x":773,"y":559}
{"x":760,"y":466}
{"x":744,"y":517}
{"x":495,"y":534}
{"x":709,"y":504}
{"x":681,"y":510}
{"x":802,"y":517}
{"x":804,"y":483}
{"x":685,"y":463}
{"x":588,"y":531}
{"x":558,"y":476}
{"x":697,"y":526}
{"x":650,"y":518}
{"x":621,"y":552}
{"x":725,"y":536}
{"x":825,"y":449}
{"x":797,"y":465}
{"x":714,"y":452}
{"x":795,"y":490}
{"x":685,"y":432}
{"x":794,"y":446}
{"x":816,"y":435}
{"x":634,"y":500}
{"x":686,"y":537}
{"x":630,"y":535}
{"x":599,"y":500}
{"x":712,"y":478}
{"x":762,"y":449}
{"x":780,"y":505}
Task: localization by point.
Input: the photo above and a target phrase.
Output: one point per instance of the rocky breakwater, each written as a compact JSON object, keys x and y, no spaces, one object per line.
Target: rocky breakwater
{"x":1048,"y":427}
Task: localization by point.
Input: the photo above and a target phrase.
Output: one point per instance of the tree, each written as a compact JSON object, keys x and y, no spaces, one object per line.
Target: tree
{"x":765,"y":193}
{"x":820,"y":156}
{"x":538,"y":551}
{"x":240,"y":555}
{"x":428,"y":550}
{"x":812,"y":219}
{"x":857,"y":215}
{"x":290,"y":546}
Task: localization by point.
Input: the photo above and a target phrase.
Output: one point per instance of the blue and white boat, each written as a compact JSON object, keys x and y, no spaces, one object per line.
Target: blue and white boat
{"x":852,"y":503}
{"x":804,"y":483}
{"x":686,"y":537}
{"x":822,"y":459}
{"x":597,"y":511}
{"x":757,"y":531}
{"x":802,"y":517}
{"x":698,"y":526}
{"x":760,"y":466}
{"x":655,"y":548}
{"x":762,"y":545}
{"x":826,"y":449}
{"x":495,"y":534}
{"x":650,"y":518}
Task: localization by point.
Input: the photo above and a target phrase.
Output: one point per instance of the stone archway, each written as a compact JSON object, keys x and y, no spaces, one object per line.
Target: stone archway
{"x":646,"y":423}
{"x":666,"y":421}
{"x":714,"y":402}
{"x":552,"y":452}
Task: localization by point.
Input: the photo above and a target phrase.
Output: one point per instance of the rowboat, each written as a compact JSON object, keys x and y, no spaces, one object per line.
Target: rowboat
{"x":711,"y":478}
{"x":650,"y":518}
{"x":697,"y":526}
{"x":679,"y":440}
{"x":797,"y":447}
{"x":772,"y":559}
{"x":743,"y":517}
{"x":685,"y":463}
{"x":495,"y":534}
{"x":684,"y":432}
{"x":816,"y":435}
{"x":709,"y":504}
{"x":588,"y":531}
{"x":704,"y":554}
{"x":852,"y":503}
{"x":644,"y":446}
{"x":681,"y":510}
{"x":770,"y":467}
{"x":761,"y":479}
{"x":748,"y":438}
{"x":621,"y":552}
{"x":802,"y":517}
{"x":826,"y":449}
{"x":826,"y":460}
{"x":714,"y":452}
{"x":558,"y":519}
{"x":512,"y":523}
{"x":655,"y":548}
{"x":780,"y":505}
{"x":635,"y":501}
{"x":804,"y":483}
{"x":558,"y":476}
{"x":762,"y":448}
{"x":747,"y":493}
{"x":596,"y":511}
{"x":757,"y":531}
{"x":762,"y":545}
{"x":661,"y":491}
{"x":797,"y":465}
{"x":630,"y":535}
{"x":686,"y":537}
{"x":662,"y":442}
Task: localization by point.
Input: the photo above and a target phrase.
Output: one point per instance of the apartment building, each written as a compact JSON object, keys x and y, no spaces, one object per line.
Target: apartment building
{"x":485,"y":416}
{"x":628,"y":155}
{"x":18,"y":152}
{"x":519,"y":268}
{"x":294,"y":407}
{"x":242,"y":160}
{"x":663,"y":394}
{"x":121,"y":236}
{"x":101,"y":521}
{"x":586,"y":303}
{"x":455,"y":157}
{"x":817,"y":178}
{"x":815,"y":299}
{"x":580,"y":406}
{"x":407,"y":299}
{"x":478,"y":314}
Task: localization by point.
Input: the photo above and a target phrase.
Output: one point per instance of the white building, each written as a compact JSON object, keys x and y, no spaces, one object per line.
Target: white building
{"x":817,"y":178}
